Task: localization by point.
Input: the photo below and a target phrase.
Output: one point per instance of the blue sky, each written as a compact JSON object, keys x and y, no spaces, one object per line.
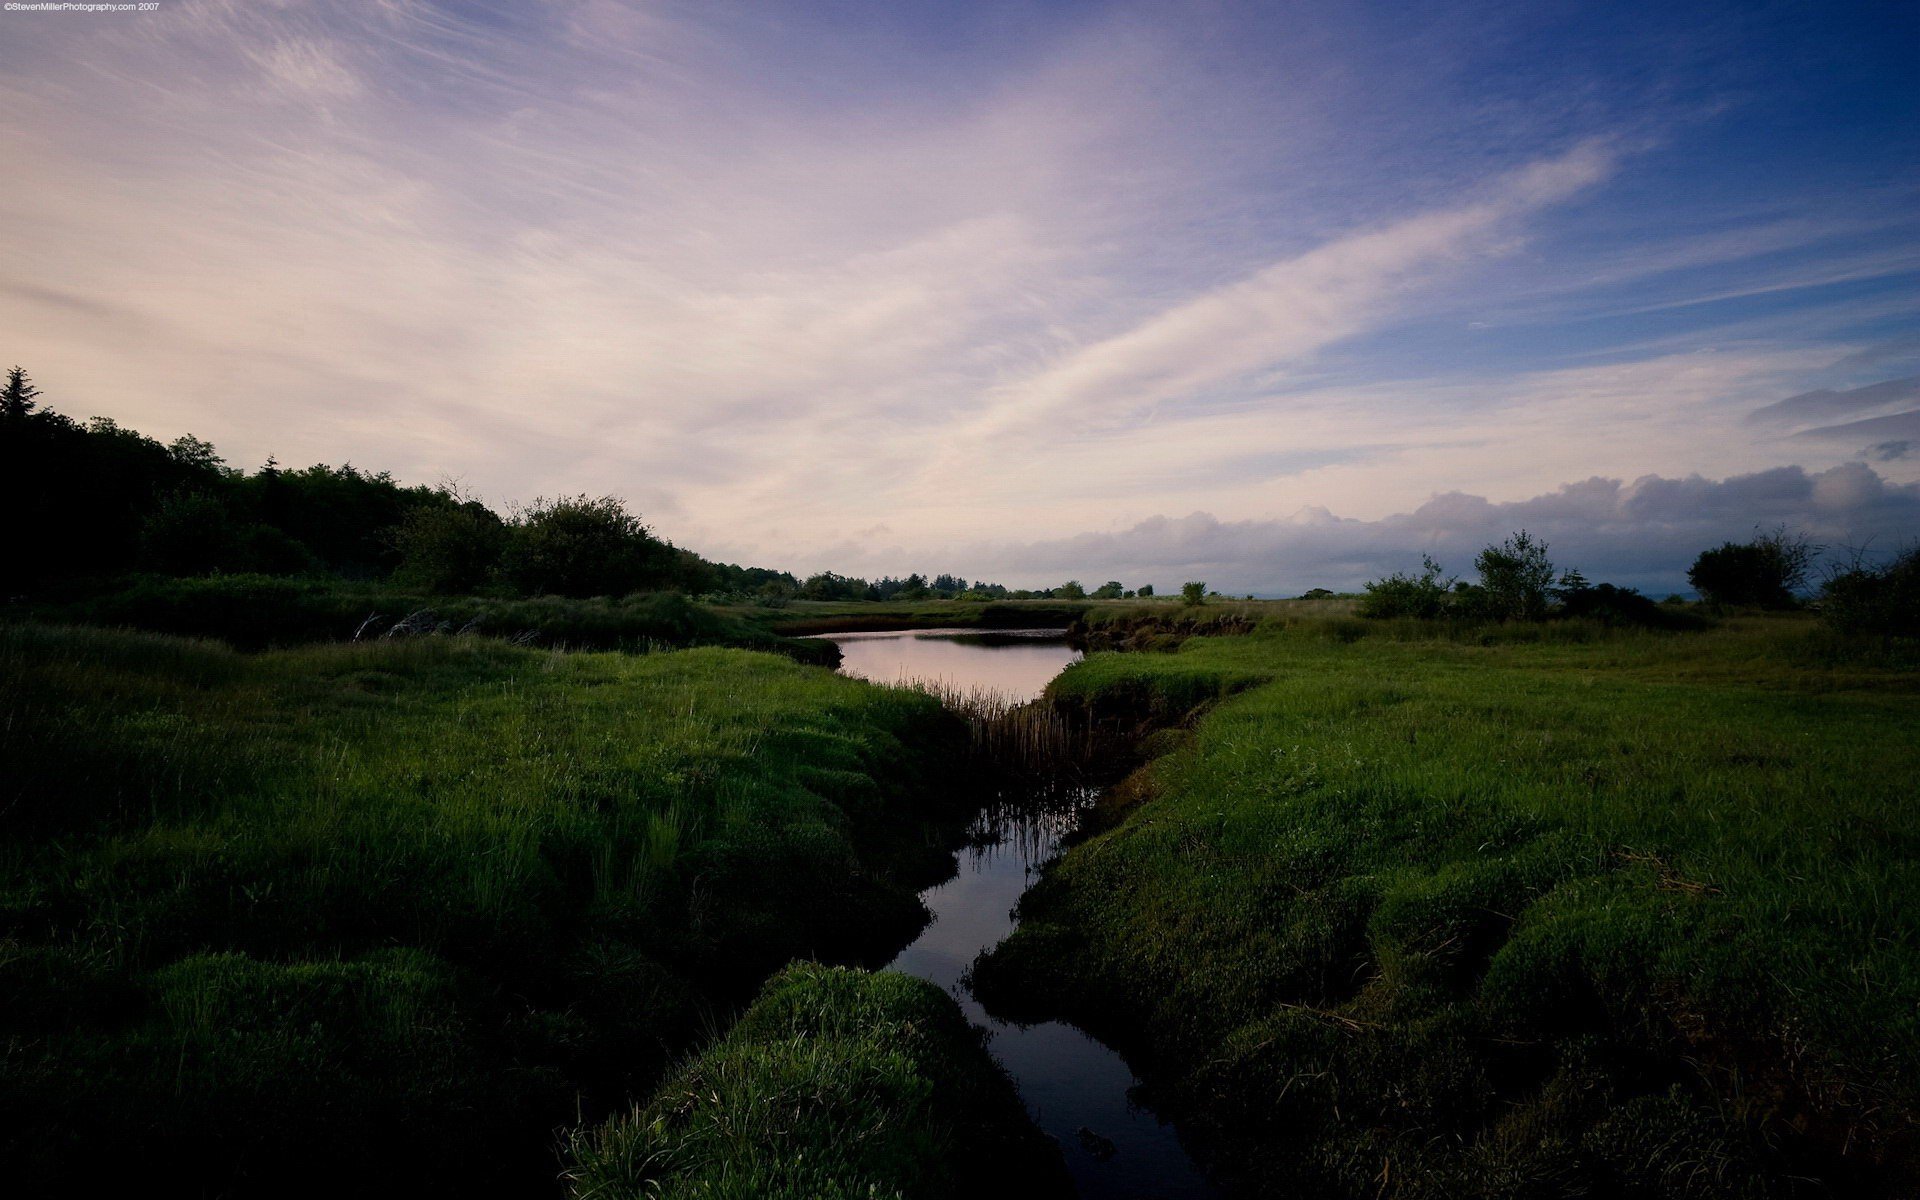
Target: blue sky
{"x":1280,"y":294}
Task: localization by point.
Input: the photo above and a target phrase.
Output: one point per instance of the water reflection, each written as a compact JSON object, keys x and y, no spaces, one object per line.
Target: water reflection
{"x":1014,"y":662}
{"x":1078,"y":1090}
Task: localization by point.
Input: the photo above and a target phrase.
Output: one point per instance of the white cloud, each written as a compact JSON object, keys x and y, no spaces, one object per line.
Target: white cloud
{"x":775,"y":286}
{"x":1642,"y":533}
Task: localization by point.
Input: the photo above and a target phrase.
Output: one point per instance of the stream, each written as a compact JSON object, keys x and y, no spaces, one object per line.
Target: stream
{"x":1078,"y":1090}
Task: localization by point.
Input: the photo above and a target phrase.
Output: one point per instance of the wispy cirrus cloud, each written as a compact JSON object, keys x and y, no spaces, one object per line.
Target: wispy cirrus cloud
{"x":784,"y":274}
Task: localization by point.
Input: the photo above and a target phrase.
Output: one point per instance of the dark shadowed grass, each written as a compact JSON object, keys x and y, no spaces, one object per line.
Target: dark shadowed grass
{"x":258,"y":611}
{"x":835,"y":1083}
{"x":847,"y":616}
{"x":382,"y":914}
{"x":1616,"y":913}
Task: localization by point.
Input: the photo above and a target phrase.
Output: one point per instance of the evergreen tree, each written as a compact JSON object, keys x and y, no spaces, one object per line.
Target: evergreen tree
{"x":17,"y":398}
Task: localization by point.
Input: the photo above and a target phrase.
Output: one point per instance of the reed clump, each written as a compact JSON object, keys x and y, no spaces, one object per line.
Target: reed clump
{"x":1032,"y":740}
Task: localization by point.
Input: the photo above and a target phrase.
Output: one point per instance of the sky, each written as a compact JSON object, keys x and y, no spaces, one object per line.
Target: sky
{"x":1274,"y":295}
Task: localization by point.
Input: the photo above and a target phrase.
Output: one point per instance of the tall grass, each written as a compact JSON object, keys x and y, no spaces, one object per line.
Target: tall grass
{"x":388,"y":912}
{"x":833,"y":1084}
{"x":259,"y":611}
{"x":1625,"y":913}
{"x":1034,"y":741}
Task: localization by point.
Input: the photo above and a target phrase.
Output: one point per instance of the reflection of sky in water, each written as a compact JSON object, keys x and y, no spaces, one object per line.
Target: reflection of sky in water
{"x":1016,"y":664}
{"x":1069,"y":1081}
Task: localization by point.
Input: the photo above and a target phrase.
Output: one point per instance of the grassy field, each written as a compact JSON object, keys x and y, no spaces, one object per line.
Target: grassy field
{"x":835,"y":1084}
{"x":1552,"y":910}
{"x":383,"y":917}
{"x":801,"y":617}
{"x":260,"y":611}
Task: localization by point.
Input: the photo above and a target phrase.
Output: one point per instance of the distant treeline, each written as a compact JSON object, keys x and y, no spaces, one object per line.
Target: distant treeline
{"x":829,"y":586}
{"x":1518,"y":582}
{"x":93,"y":500}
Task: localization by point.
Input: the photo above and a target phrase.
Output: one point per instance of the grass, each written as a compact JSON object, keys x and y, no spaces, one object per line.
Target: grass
{"x":801,"y":617}
{"x":260,"y":611}
{"x":1549,"y":911}
{"x":835,"y":1084}
{"x":383,"y":915}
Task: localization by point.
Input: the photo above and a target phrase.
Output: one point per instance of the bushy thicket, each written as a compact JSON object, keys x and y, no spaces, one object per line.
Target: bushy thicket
{"x":1768,"y":572}
{"x":1870,"y":598}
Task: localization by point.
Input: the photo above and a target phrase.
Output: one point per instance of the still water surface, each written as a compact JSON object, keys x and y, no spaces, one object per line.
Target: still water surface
{"x":1077,"y":1089}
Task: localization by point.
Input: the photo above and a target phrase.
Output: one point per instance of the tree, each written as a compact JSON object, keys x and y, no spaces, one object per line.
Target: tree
{"x":1572,"y":585}
{"x":17,"y":398}
{"x":1764,"y":573}
{"x":1515,"y":578}
{"x":1110,"y":590}
{"x":453,"y":546}
{"x":1071,"y":590}
{"x":582,"y":546}
{"x":191,"y":451}
{"x":1193,"y":593}
{"x":1145,"y":592}
{"x":191,"y":533}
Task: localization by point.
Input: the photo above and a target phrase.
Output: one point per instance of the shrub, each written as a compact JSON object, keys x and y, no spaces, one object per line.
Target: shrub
{"x":1193,"y":594}
{"x":1764,"y":573}
{"x":1515,"y":578}
{"x":1402,"y":595}
{"x":1620,"y":606}
{"x":449,"y":547}
{"x":190,"y":534}
{"x":580,"y":546}
{"x":1882,"y":599}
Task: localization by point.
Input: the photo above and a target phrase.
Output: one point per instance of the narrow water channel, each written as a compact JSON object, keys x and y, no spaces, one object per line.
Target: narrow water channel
{"x":1078,"y":1090}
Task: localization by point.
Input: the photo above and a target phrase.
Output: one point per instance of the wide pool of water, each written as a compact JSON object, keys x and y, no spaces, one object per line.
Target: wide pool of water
{"x":1078,"y":1090}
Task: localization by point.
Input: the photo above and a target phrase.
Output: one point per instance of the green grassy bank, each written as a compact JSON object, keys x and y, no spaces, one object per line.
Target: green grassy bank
{"x":259,"y":611}
{"x":798,"y":618}
{"x":384,"y":917}
{"x":1545,"y":911}
{"x":835,"y":1084}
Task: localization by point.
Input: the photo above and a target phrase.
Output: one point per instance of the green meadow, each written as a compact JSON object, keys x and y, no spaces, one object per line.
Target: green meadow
{"x":393,"y":916}
{"x":1411,"y":909}
{"x":1416,"y":908}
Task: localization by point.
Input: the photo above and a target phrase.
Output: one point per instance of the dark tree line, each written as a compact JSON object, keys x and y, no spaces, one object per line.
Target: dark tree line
{"x":93,"y":500}
{"x":88,"y":502}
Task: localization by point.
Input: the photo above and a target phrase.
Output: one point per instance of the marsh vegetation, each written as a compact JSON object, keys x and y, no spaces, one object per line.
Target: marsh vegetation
{"x":1544,"y":909}
{"x":357,"y":838}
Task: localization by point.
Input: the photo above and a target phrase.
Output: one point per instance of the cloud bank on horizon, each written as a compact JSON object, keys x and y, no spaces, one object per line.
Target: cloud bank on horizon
{"x":1004,"y":287}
